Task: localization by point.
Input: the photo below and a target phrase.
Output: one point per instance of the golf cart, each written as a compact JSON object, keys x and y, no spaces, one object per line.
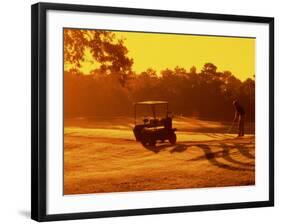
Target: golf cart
{"x":154,"y":129}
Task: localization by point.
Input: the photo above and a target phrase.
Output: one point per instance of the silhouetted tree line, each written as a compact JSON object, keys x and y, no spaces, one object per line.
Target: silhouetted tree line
{"x":206,"y":94}
{"x":111,"y":89}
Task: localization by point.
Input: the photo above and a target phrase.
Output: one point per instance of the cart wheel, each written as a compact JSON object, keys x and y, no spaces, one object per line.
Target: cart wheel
{"x":173,"y":139}
{"x":152,"y":143}
{"x":143,"y":142}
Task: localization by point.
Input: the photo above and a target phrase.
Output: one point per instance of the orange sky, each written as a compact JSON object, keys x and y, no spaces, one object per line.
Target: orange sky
{"x":161,"y":51}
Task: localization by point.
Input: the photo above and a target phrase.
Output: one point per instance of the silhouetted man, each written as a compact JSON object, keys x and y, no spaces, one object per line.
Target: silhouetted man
{"x":240,"y":116}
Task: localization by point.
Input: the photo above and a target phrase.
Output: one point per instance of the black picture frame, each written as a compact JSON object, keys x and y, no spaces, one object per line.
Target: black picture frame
{"x":38,"y":108}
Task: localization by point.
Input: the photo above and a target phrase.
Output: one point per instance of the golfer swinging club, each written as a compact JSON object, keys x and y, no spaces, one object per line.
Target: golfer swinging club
{"x":240,"y":115}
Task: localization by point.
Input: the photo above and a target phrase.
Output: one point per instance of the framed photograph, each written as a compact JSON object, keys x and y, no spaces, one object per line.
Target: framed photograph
{"x":140,"y":111}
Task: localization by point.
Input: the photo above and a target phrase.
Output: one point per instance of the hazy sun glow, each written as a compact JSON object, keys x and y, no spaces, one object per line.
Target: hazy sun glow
{"x":161,"y":51}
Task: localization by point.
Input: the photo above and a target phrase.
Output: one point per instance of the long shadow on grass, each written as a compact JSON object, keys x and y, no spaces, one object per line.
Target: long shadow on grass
{"x":212,"y":157}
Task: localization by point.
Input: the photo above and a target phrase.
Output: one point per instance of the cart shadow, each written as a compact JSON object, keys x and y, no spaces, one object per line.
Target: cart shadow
{"x":158,"y":148}
{"x":223,"y":154}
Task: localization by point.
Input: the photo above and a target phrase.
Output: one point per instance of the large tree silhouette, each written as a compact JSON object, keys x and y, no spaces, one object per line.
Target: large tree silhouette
{"x":108,"y":52}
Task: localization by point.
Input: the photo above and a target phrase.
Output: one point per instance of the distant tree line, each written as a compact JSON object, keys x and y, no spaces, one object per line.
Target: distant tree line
{"x":112,"y":88}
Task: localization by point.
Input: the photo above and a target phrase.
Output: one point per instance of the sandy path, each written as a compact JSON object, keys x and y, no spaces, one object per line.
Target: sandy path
{"x":110,"y":160}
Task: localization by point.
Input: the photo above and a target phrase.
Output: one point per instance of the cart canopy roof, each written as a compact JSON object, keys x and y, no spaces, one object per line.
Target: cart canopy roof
{"x":151,"y":102}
